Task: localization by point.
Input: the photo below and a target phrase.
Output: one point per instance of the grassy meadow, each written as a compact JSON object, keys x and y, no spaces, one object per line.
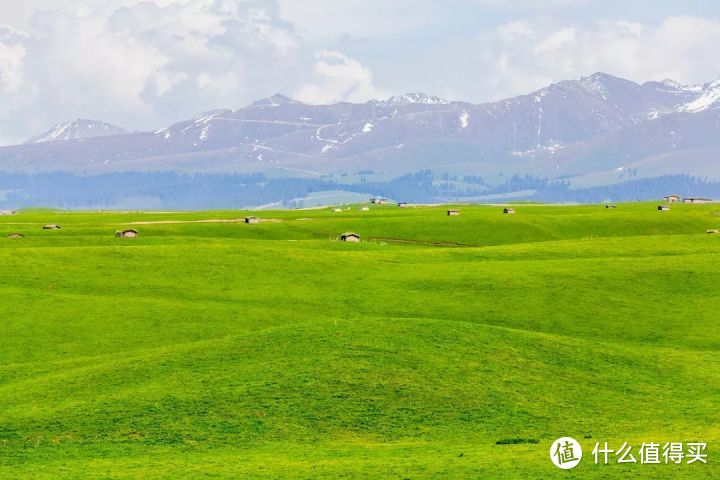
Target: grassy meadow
{"x":437,"y":347}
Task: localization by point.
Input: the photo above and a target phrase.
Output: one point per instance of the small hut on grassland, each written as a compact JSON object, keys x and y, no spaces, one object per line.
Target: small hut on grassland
{"x":610,"y":205}
{"x":365,"y":209}
{"x":453,"y":213}
{"x":509,"y":211}
{"x":252,"y":220}
{"x":713,"y":231}
{"x":130,"y":233}
{"x":402,"y":204}
{"x":663,"y":208}
{"x":16,"y":235}
{"x":378,"y":200}
{"x":51,"y":226}
{"x":336,"y":210}
{"x":672,"y":198}
{"x":349,"y":237}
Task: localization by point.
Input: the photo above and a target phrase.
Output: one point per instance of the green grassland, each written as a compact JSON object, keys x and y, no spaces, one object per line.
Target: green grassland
{"x":438,"y":347}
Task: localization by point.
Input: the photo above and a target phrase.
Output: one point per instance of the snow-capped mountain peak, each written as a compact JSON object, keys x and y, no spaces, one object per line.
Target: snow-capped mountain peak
{"x":77,"y":130}
{"x":275,"y":101}
{"x":412,"y":98}
{"x":605,"y":85}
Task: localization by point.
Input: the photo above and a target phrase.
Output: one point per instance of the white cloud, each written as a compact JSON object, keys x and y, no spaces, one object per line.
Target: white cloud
{"x":523,"y":56}
{"x":12,"y":55}
{"x":519,"y":28}
{"x":556,"y":40}
{"x":368,"y":18}
{"x":145,"y":64}
{"x":532,"y":3}
{"x":338,"y":77}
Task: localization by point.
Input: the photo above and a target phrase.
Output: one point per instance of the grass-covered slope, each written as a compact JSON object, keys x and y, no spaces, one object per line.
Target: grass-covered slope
{"x":205,"y":349}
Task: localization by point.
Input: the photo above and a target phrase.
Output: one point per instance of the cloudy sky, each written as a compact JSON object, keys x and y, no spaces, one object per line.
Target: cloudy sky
{"x":143,"y":64}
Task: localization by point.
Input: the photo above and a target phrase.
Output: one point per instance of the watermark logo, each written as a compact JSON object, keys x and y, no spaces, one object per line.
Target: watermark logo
{"x":652,"y":453}
{"x":566,"y":453}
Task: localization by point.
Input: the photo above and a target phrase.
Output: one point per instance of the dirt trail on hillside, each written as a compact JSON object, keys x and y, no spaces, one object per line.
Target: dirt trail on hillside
{"x":210,"y":220}
{"x":422,"y":242}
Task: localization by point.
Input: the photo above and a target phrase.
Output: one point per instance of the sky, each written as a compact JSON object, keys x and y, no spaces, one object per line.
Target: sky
{"x":145,"y":64}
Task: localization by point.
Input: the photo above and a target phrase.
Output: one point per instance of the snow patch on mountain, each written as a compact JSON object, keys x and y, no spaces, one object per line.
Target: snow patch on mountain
{"x":551,"y":148}
{"x":205,"y":122}
{"x":709,"y":96}
{"x":671,"y":84}
{"x":464,"y":118}
{"x":163,"y":132}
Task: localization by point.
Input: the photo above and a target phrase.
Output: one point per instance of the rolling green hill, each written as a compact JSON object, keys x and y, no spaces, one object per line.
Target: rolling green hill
{"x":438,"y":347}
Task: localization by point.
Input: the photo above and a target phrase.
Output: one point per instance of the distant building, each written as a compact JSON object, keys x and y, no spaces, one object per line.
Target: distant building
{"x":349,"y":237}
{"x":672,"y":198}
{"x":16,"y":235}
{"x":130,"y":233}
{"x":453,"y":213}
{"x":663,"y":208}
{"x":6,"y":212}
{"x":697,"y":200}
{"x":252,"y":220}
{"x":378,"y":200}
{"x":510,"y":211}
{"x":52,"y":226}
{"x":402,"y":204}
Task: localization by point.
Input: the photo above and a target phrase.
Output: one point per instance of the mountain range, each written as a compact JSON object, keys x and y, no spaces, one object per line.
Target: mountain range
{"x":596,"y":131}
